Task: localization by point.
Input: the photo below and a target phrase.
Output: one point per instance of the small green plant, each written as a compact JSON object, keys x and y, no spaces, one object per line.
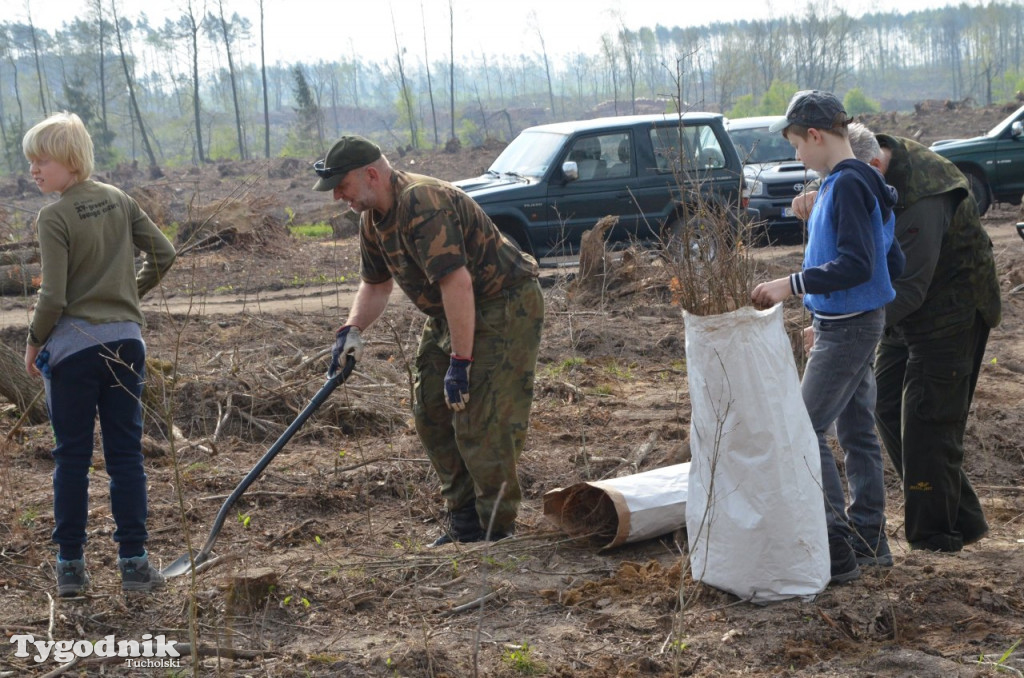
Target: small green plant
{"x":318,"y":540}
{"x":28,"y":516}
{"x":570,"y":363}
{"x":678,"y":646}
{"x":320,"y":230}
{"x":319,"y":279}
{"x":1009,"y":651}
{"x":519,"y":659}
{"x":223,"y":289}
{"x":620,"y":372}
{"x":508,"y":564}
{"x":244,"y":519}
{"x":566,"y":366}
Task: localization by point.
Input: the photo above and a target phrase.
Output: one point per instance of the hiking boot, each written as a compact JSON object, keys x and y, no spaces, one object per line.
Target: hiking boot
{"x":461,"y":525}
{"x":138,"y":575}
{"x":71,"y":577}
{"x":871,"y":550}
{"x":843,"y":562}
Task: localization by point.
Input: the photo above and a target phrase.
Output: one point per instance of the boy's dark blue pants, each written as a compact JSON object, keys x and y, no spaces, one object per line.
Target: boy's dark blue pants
{"x":106,"y":379}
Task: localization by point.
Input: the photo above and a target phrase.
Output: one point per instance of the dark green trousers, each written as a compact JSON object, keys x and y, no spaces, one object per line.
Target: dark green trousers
{"x":476,"y":451}
{"x":925,"y":387}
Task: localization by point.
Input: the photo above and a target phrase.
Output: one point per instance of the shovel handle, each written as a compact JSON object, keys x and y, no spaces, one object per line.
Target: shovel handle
{"x":333,"y":381}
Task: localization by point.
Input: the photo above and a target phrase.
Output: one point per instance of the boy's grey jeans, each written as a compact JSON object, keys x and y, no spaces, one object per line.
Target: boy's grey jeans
{"x":839,"y":385}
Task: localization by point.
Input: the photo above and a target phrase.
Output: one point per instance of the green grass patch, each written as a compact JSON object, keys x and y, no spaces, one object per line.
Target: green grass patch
{"x":315,"y":231}
{"x":170,"y":230}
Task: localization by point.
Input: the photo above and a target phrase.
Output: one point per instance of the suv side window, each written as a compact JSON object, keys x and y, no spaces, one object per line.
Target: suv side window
{"x":685,"y":149}
{"x":602,"y":156}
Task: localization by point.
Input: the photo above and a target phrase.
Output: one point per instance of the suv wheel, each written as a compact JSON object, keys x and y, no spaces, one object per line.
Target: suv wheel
{"x":692,"y":240}
{"x":979,"y":189}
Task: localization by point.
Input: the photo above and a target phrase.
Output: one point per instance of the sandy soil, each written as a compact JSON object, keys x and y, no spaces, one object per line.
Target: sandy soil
{"x":323,"y":567}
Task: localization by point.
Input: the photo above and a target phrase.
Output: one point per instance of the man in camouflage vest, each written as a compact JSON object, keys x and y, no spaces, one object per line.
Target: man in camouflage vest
{"x":475,"y":366}
{"x":937,"y":327}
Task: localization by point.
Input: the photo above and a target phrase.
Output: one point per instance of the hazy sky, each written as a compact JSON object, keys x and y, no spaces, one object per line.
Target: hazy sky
{"x":309,"y":30}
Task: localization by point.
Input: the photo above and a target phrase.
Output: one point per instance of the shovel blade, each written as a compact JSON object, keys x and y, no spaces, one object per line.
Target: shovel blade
{"x":183,"y":565}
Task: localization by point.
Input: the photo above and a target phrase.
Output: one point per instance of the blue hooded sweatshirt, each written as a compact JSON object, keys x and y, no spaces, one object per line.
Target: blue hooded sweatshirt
{"x":852,"y":256}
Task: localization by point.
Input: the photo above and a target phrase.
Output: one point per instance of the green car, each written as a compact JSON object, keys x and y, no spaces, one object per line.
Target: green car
{"x":994,"y":163}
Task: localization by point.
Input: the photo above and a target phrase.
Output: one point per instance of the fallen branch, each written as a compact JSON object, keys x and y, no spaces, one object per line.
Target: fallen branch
{"x":473,"y":603}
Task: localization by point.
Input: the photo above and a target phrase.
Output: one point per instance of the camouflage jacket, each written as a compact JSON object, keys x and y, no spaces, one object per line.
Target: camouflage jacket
{"x":964,"y":279}
{"x":432,"y":230}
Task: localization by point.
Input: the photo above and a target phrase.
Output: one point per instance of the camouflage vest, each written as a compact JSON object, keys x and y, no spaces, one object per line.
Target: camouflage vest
{"x":432,"y":230}
{"x":965,"y":274}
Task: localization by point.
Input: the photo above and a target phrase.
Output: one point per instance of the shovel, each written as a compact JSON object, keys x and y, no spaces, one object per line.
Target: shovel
{"x":188,"y":561}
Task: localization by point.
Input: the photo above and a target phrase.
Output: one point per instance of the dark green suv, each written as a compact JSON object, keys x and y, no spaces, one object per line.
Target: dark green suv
{"x":657,"y":173}
{"x":994,"y":163}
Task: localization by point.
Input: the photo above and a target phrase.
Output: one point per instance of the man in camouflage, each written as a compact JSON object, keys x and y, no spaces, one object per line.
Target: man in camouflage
{"x":937,"y":327}
{"x":475,"y":366}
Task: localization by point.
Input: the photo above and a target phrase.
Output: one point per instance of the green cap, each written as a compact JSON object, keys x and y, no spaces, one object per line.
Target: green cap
{"x":349,"y":153}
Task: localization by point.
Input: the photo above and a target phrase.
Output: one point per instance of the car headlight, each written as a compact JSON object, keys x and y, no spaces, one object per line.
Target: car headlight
{"x":756,"y":188}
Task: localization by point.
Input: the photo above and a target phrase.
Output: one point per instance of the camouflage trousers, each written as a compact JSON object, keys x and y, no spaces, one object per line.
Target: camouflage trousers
{"x":475,"y":451}
{"x":925,"y":387}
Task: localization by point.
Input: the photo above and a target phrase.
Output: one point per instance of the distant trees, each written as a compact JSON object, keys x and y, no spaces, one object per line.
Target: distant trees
{"x":309,"y":129}
{"x":856,"y":102}
{"x":195,"y":89}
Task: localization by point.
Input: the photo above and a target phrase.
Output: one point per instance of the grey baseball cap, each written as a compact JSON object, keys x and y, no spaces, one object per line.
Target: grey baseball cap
{"x":811,"y":108}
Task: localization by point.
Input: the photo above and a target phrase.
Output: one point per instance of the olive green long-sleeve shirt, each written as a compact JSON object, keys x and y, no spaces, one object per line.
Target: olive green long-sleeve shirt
{"x":87,"y":243}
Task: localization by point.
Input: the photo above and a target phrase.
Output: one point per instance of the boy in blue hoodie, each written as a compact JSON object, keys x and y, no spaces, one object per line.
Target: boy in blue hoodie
{"x":846,"y":281}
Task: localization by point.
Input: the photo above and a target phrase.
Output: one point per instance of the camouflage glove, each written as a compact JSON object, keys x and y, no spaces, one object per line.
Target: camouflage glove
{"x":456,"y":383}
{"x":347,"y":342}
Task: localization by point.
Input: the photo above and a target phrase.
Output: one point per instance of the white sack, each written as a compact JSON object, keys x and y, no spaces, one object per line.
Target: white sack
{"x":755,"y":518}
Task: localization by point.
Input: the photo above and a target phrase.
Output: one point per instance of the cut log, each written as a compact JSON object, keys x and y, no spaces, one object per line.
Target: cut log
{"x":20,"y":280}
{"x":19,"y":257}
{"x":19,"y":388}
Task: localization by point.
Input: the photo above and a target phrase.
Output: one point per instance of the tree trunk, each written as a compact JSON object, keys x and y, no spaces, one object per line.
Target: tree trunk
{"x":39,"y":67}
{"x":430,"y":87}
{"x":154,"y":169}
{"x":266,"y":101}
{"x":19,"y":280}
{"x":414,"y":137}
{"x":234,"y":83}
{"x":19,"y":388}
{"x":193,"y":27}
{"x":451,"y":64}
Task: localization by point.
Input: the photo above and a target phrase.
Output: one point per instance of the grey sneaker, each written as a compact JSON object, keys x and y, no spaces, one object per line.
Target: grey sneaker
{"x":871,"y":551}
{"x":71,"y":577}
{"x":843,"y":561}
{"x":138,"y":575}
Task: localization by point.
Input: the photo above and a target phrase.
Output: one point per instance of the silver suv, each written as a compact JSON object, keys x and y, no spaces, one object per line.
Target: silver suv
{"x":773,"y":174}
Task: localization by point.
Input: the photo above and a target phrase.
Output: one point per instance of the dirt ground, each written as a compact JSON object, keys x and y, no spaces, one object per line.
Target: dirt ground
{"x":322,"y":567}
